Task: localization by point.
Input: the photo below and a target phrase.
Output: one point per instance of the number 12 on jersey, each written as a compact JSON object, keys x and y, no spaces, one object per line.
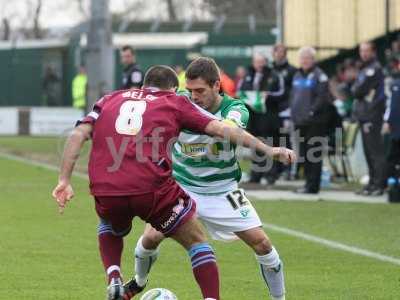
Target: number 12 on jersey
{"x":237,"y":199}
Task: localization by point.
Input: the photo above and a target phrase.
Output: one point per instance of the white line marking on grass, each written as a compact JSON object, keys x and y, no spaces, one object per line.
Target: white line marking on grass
{"x":333,"y":244}
{"x":284,"y":230}
{"x":38,"y":164}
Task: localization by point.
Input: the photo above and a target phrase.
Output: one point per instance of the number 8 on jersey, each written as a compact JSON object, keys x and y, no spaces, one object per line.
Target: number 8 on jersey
{"x":130,"y":119}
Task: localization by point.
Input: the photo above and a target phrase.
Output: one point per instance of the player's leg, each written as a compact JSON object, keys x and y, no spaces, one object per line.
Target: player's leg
{"x":231,"y":215}
{"x":114,"y":224}
{"x":270,"y":264}
{"x":192,"y":237}
{"x":174,"y":216}
{"x":146,"y":253}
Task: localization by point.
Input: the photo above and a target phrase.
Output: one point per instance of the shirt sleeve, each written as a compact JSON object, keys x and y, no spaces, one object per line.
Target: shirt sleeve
{"x":238,"y":114}
{"x":92,"y":116}
{"x":191,"y":116}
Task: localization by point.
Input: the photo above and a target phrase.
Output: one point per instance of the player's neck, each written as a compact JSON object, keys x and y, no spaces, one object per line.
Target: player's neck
{"x":216,"y":105}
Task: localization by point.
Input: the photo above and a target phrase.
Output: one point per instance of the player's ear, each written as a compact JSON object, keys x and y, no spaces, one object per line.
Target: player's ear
{"x":217,"y":85}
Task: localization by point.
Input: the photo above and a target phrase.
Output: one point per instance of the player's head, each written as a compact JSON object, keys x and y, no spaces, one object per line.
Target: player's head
{"x":127,"y":55}
{"x":367,"y":51}
{"x":203,"y":81}
{"x":279,"y":52}
{"x":307,"y":57}
{"x":161,"y":77}
{"x":259,"y":61}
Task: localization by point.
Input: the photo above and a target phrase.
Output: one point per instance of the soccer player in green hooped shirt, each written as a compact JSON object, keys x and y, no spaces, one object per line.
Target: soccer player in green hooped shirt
{"x":209,"y":172}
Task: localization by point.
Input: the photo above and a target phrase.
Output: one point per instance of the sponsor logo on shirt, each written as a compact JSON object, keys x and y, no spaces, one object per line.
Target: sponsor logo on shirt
{"x":200,"y":149}
{"x":235,"y":116}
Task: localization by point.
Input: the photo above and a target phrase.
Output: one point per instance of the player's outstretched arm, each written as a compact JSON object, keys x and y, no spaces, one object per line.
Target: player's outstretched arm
{"x":241,"y":137}
{"x":63,"y":192}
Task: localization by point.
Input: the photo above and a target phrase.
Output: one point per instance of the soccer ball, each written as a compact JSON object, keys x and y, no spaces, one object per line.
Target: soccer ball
{"x":159,"y":294}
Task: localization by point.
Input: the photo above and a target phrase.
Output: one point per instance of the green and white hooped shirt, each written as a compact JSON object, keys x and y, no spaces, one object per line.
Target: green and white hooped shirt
{"x":205,"y":165}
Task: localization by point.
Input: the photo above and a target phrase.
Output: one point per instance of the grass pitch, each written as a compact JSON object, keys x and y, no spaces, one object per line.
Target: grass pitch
{"x":47,"y":256}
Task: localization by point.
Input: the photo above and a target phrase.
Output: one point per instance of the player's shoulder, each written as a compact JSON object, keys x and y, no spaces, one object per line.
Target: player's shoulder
{"x":230,"y":104}
{"x":235,"y":110}
{"x":321,"y":75}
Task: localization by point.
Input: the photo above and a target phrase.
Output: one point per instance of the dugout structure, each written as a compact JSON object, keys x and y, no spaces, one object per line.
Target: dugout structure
{"x":334,"y":26}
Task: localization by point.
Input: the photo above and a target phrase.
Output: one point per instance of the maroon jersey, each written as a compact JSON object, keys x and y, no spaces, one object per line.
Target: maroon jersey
{"x":132,"y":137}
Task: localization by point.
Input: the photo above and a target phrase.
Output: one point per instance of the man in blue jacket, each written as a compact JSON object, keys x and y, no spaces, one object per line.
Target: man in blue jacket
{"x":368,"y":109}
{"x":392,"y":122}
{"x":309,"y":111}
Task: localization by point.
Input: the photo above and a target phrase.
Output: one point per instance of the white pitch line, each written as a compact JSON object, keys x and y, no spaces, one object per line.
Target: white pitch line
{"x":333,"y":244}
{"x":38,"y":164}
{"x":291,"y":232}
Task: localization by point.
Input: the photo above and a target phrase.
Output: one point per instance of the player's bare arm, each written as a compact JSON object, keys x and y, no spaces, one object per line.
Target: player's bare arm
{"x":63,"y":192}
{"x":241,"y":137}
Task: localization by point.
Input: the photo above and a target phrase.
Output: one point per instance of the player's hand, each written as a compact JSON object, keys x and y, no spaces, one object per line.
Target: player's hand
{"x":63,"y":193}
{"x":284,"y":155}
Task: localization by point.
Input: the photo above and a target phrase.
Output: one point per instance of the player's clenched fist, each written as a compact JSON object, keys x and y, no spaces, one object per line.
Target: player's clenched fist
{"x":284,"y":155}
{"x":63,"y":192}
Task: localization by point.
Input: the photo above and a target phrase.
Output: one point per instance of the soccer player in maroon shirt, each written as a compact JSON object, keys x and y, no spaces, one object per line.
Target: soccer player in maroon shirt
{"x":131,"y":175}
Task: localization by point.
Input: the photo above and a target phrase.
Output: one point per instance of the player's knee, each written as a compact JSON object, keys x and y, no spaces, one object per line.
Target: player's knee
{"x":106,"y":227}
{"x":262,"y":245}
{"x":152,"y":238}
{"x":190,"y":234}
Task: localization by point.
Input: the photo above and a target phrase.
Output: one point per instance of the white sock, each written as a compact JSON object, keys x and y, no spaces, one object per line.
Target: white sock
{"x":272,"y":273}
{"x":270,"y":260}
{"x":144,"y":259}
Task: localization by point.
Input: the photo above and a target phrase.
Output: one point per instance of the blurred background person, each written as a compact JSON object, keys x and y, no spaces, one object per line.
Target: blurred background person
{"x":282,"y":67}
{"x":240,"y":74}
{"x":79,"y":89}
{"x":181,"y":77}
{"x":309,"y":111}
{"x":132,"y":76}
{"x":392,"y":122}
{"x":369,"y":107}
{"x":264,"y":114}
{"x":227,"y":84}
{"x":51,"y":87}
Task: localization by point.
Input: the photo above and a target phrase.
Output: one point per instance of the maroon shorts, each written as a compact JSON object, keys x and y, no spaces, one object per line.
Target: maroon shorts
{"x":165,"y":209}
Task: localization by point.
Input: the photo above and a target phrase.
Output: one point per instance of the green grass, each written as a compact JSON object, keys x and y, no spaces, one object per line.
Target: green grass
{"x":43,"y":149}
{"x":47,"y":256}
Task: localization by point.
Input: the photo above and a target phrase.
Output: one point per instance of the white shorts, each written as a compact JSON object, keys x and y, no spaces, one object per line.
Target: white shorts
{"x":225,"y":214}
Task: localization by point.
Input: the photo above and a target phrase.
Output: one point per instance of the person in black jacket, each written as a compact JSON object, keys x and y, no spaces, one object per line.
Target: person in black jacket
{"x":264,"y":123}
{"x":132,"y":76}
{"x":392,"y":122}
{"x":368,"y":109}
{"x":282,"y":67}
{"x":310,"y":102}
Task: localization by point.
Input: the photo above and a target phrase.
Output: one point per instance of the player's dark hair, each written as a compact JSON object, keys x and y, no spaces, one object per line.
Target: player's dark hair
{"x":204,"y":68}
{"x":162,"y":77}
{"x":128,"y":48}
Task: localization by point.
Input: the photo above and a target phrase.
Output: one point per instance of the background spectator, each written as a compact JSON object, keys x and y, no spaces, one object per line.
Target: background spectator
{"x":181,"y":77}
{"x":132,"y":76}
{"x":51,"y":87}
{"x":79,"y":89}
{"x":369,"y":106}
{"x":282,"y":67}
{"x":310,"y":108}
{"x":240,"y":74}
{"x":227,"y":84}
{"x":392,"y":124}
{"x":264,"y":120}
